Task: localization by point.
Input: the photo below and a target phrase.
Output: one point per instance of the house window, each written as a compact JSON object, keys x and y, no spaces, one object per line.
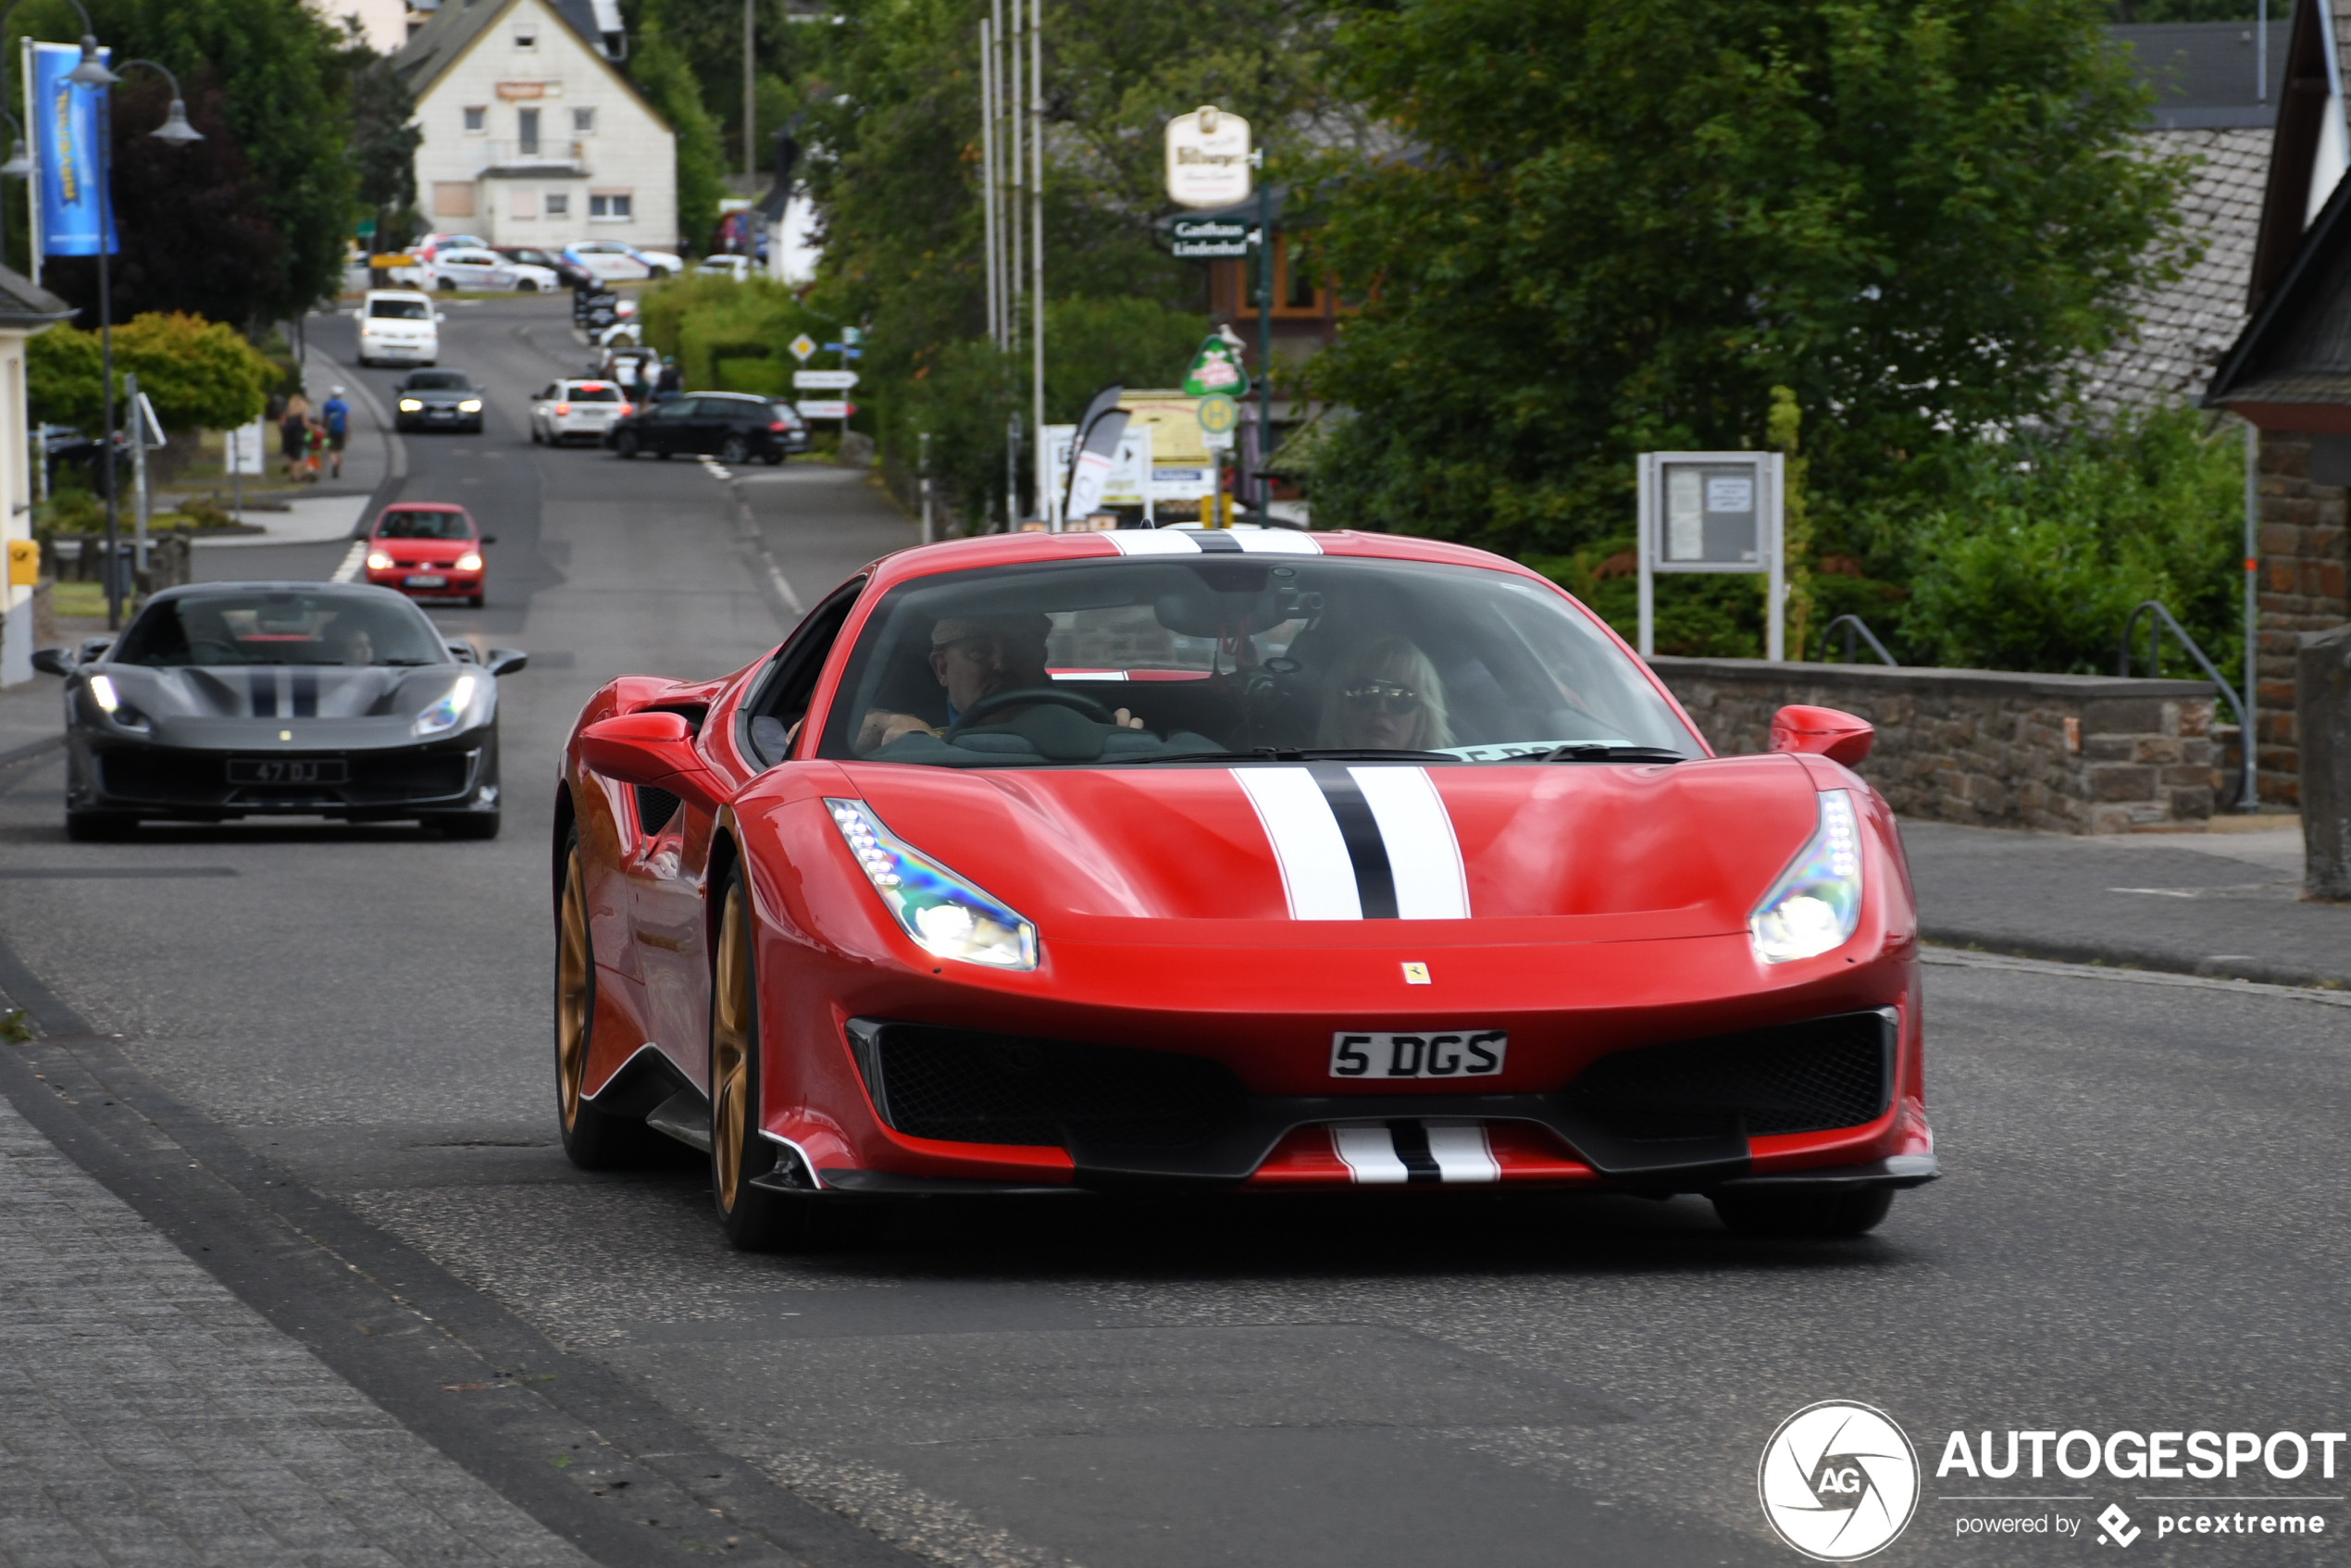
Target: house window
{"x":526,"y":36}
{"x":477,"y":118}
{"x":528,"y":119}
{"x":558,"y":204}
{"x":453,"y":199}
{"x":610,"y":205}
{"x":524,"y":204}
{"x":583,"y":122}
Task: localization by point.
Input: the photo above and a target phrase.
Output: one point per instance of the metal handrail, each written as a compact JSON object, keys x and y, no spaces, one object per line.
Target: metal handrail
{"x":2158,"y":618}
{"x":1851,"y":625}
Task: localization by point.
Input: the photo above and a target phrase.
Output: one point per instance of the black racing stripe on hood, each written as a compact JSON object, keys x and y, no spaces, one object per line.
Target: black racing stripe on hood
{"x":1374,"y":877}
{"x":263,"y":682}
{"x":305,"y":693}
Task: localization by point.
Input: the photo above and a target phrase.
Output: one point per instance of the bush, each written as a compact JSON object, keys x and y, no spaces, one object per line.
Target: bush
{"x":198,"y":374}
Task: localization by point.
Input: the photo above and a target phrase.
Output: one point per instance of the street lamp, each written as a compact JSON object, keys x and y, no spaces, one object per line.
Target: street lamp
{"x":176,"y":130}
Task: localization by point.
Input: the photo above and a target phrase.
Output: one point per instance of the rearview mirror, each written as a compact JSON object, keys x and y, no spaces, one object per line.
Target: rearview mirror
{"x":1823,"y":732}
{"x":506,"y":661}
{"x":650,"y":750}
{"x":52,"y":661}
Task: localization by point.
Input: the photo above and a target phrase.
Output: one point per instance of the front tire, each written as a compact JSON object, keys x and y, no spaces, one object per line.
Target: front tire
{"x":754,"y":1218}
{"x":99,"y":827}
{"x":1815,"y":1215}
{"x":734,"y":451}
{"x":593,"y":1139}
{"x":624,"y":445}
{"x":472,"y":825}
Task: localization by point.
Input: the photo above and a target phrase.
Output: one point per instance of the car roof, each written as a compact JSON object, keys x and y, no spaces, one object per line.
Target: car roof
{"x":422,"y":506}
{"x":1025,"y":549}
{"x":314,"y":587}
{"x":399,"y":293}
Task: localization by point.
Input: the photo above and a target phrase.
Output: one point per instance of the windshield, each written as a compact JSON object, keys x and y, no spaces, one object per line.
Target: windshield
{"x":597,"y":393}
{"x":262,"y":627}
{"x":1149,"y":659}
{"x":398,"y":310}
{"x":439,"y":380}
{"x":425,"y":525}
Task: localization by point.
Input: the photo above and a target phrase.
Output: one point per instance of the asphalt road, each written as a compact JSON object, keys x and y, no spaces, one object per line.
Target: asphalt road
{"x":330,"y":1047}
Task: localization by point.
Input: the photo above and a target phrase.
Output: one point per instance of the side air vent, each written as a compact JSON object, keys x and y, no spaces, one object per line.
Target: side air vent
{"x":654,"y":808}
{"x":1813,"y":1077}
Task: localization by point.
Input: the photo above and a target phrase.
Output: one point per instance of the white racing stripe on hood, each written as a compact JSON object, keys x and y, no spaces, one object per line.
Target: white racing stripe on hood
{"x":1317,"y":876}
{"x":1320,"y":878}
{"x":1423,"y":854}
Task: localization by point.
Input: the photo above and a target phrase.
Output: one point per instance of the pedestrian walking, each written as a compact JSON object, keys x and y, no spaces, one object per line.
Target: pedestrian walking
{"x":338,"y":416}
{"x":293,"y":434}
{"x":669,"y":383}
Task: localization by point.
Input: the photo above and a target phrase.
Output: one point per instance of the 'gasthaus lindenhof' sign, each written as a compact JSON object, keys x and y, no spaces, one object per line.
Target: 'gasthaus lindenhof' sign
{"x":1207,"y":159}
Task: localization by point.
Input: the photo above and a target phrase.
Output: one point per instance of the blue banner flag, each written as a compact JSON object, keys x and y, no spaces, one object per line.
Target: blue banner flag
{"x":77,"y":214}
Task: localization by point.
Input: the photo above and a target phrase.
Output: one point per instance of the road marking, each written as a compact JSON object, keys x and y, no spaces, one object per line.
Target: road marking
{"x":354,"y":558}
{"x":1959,"y":958}
{"x":716,"y":470}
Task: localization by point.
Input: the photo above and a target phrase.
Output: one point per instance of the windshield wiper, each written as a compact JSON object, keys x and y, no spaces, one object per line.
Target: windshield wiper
{"x":1593,"y":751}
{"x":1294,"y":754}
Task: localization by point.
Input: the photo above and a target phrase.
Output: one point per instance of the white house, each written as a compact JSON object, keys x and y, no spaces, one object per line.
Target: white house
{"x":24,"y":310}
{"x":531,"y":134}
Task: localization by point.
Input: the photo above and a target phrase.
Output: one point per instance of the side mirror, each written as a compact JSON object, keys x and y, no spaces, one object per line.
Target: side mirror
{"x":1823,"y":732}
{"x":507,"y":661}
{"x":651,"y":749}
{"x":487,"y":539}
{"x":52,"y":661}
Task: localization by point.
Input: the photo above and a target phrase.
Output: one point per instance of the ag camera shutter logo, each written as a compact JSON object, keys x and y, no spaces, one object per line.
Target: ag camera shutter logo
{"x":1839,"y":1481}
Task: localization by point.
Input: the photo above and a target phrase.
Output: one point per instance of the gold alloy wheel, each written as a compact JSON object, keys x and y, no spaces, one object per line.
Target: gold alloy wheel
{"x":571,"y":991}
{"x":730,"y":1049}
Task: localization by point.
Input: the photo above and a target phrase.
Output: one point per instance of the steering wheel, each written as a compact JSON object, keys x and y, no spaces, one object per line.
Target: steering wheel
{"x":1026,"y":696}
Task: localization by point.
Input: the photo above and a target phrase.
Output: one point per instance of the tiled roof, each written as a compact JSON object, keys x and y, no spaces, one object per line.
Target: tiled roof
{"x":2185,"y":327}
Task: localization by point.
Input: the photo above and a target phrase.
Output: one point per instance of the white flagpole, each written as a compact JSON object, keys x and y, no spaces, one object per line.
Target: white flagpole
{"x":987,"y":175}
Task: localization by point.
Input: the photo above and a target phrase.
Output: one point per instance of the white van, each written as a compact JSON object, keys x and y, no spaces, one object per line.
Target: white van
{"x":398,"y":326}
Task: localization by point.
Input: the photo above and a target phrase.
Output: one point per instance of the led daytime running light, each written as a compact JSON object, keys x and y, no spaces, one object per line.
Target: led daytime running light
{"x":102,"y":692}
{"x":446,"y":713}
{"x":1816,"y":905}
{"x":939,"y":912}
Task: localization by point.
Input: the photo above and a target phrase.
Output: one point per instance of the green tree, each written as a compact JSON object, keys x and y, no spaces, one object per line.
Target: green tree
{"x":1619,"y":226}
{"x":662,"y":71}
{"x":199,"y":373}
{"x":384,"y":138}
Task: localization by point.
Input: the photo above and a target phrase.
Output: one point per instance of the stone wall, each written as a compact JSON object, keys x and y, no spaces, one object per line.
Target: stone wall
{"x":2064,"y":753}
{"x":2302,"y":588}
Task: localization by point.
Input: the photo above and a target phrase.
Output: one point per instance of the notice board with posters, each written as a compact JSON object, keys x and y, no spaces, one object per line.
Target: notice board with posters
{"x":1713,"y":512}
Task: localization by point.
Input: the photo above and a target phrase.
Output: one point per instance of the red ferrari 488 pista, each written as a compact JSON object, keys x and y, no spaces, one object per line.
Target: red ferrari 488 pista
{"x":1241,"y":859}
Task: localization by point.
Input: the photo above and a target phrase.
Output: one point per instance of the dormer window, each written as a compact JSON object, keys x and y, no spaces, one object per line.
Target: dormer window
{"x":526,"y":36}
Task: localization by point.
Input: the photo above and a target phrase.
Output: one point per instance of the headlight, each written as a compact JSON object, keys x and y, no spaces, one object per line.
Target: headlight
{"x":411,"y":405}
{"x":1817,"y":901}
{"x":470,"y":561}
{"x":110,"y":703}
{"x":471,"y":405}
{"x":944,"y":915}
{"x":378,"y":561}
{"x":448,"y":712}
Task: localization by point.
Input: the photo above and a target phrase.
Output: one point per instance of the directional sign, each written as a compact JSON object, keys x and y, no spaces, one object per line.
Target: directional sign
{"x":824,"y":381}
{"x":802,"y":346}
{"x":819,"y":408}
{"x":1199,"y":238}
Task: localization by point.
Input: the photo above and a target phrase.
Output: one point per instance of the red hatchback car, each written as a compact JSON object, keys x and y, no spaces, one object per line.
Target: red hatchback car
{"x":428,"y":549}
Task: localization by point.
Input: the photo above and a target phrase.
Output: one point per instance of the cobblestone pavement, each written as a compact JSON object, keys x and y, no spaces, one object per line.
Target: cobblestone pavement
{"x":147,"y":1417}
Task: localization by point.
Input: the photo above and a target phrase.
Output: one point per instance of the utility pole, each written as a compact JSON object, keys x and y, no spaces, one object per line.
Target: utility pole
{"x":1013,"y":181}
{"x":1037,"y":206}
{"x":988,"y":182}
{"x":751,"y":97}
{"x":1264,"y":486}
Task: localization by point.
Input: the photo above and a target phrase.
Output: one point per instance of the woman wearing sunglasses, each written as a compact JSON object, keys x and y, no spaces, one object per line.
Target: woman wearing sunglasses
{"x":1386,"y":697}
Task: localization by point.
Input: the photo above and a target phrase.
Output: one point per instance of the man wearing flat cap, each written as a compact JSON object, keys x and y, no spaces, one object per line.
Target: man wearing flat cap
{"x":975,"y":657}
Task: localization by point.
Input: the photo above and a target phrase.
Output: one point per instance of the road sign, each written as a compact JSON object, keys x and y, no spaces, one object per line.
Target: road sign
{"x":853,"y":335}
{"x":1207,"y":159}
{"x":1217,"y":370}
{"x":825,"y":409}
{"x":246,"y":453}
{"x":1207,"y":239}
{"x":802,"y":346}
{"x":824,"y":381}
{"x":1218,"y":415}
